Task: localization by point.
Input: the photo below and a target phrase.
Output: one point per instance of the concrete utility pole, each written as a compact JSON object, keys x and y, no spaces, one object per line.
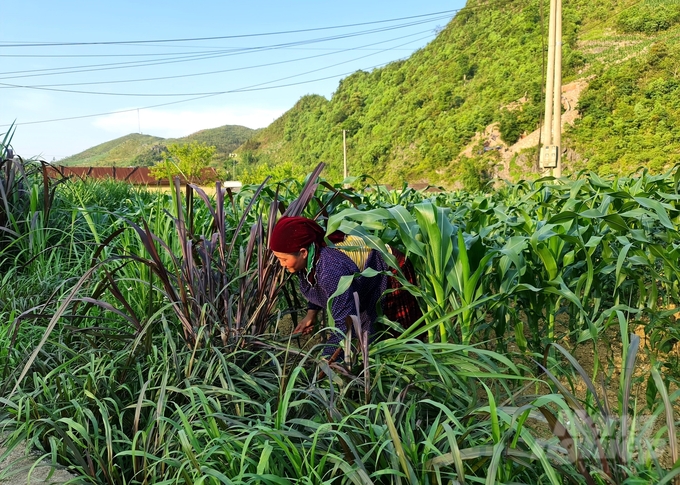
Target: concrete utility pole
{"x":552,"y":125}
{"x":344,"y":154}
{"x":233,"y":165}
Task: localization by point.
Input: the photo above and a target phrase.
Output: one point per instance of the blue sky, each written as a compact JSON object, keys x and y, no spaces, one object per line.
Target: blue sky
{"x":126,"y":61}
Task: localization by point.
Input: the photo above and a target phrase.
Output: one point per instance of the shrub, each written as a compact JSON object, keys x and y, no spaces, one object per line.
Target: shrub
{"x":649,"y":18}
{"x":509,"y":127}
{"x":474,"y":174}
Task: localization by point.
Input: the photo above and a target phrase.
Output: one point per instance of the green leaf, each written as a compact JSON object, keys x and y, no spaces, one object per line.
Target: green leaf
{"x":616,"y":222}
{"x":548,"y":261}
{"x":659,"y":209}
{"x":563,"y":217}
{"x":651,"y":392}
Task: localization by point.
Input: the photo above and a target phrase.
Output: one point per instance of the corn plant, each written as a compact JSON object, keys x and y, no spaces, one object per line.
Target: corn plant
{"x":451,"y":265}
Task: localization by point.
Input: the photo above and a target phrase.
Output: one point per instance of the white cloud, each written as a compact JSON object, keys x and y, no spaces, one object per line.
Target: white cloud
{"x":172,"y":123}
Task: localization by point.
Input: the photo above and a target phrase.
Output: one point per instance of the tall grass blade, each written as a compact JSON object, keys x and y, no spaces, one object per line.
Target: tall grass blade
{"x":50,"y":326}
{"x":669,"y":412}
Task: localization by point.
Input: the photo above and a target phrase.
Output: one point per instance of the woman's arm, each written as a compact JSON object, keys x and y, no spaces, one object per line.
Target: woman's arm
{"x":306,"y":325}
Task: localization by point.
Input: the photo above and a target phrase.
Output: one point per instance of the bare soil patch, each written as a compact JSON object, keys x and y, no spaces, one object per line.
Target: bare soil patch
{"x":491,"y":137}
{"x":20,"y":468}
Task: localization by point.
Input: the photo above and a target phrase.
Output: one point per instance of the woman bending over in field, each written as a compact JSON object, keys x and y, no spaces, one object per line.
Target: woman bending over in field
{"x":300,"y":247}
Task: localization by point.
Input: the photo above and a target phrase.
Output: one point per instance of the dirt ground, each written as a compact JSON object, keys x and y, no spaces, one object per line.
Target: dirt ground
{"x":491,"y":136}
{"x":18,"y":462}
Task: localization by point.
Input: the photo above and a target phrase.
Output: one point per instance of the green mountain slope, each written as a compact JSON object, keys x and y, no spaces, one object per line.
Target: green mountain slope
{"x":412,"y":119}
{"x":145,"y":150}
{"x":119,"y":152}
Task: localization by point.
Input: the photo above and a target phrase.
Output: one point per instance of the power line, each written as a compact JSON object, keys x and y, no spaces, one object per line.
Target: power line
{"x":223,"y":37}
{"x":215,"y":93}
{"x":255,"y":87}
{"x":249,"y":88}
{"x":151,"y":54}
{"x":221,"y":71}
{"x":245,"y":89}
{"x":238,"y":90}
{"x":193,"y":57}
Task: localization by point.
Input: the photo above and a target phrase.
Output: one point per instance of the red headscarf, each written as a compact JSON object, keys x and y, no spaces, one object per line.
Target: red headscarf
{"x":294,"y":233}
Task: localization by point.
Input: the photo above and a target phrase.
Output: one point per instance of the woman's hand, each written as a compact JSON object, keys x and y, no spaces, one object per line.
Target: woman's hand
{"x":306,"y":325}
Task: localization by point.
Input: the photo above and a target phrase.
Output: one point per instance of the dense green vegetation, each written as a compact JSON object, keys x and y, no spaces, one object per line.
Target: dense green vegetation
{"x":187,"y":161}
{"x":410,"y":120}
{"x":144,"y":150}
{"x":142,"y":341}
{"x":224,"y":138}
{"x":631,"y":113}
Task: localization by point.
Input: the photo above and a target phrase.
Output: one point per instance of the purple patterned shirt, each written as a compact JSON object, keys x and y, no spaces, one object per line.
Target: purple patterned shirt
{"x":330,"y":267}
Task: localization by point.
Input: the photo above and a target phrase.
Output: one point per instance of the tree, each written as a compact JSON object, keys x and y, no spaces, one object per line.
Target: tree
{"x":187,"y":161}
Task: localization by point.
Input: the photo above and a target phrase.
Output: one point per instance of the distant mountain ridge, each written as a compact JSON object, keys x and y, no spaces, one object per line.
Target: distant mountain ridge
{"x":144,"y":150}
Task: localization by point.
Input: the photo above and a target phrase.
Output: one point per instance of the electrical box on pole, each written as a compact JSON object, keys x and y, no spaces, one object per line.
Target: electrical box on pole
{"x":549,"y":156}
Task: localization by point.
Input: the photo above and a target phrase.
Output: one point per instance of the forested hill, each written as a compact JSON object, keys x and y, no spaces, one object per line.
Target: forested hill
{"x":416,"y":119}
{"x":145,"y":150}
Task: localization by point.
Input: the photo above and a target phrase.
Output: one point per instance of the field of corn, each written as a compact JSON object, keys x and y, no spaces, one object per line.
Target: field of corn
{"x":142,"y":341}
